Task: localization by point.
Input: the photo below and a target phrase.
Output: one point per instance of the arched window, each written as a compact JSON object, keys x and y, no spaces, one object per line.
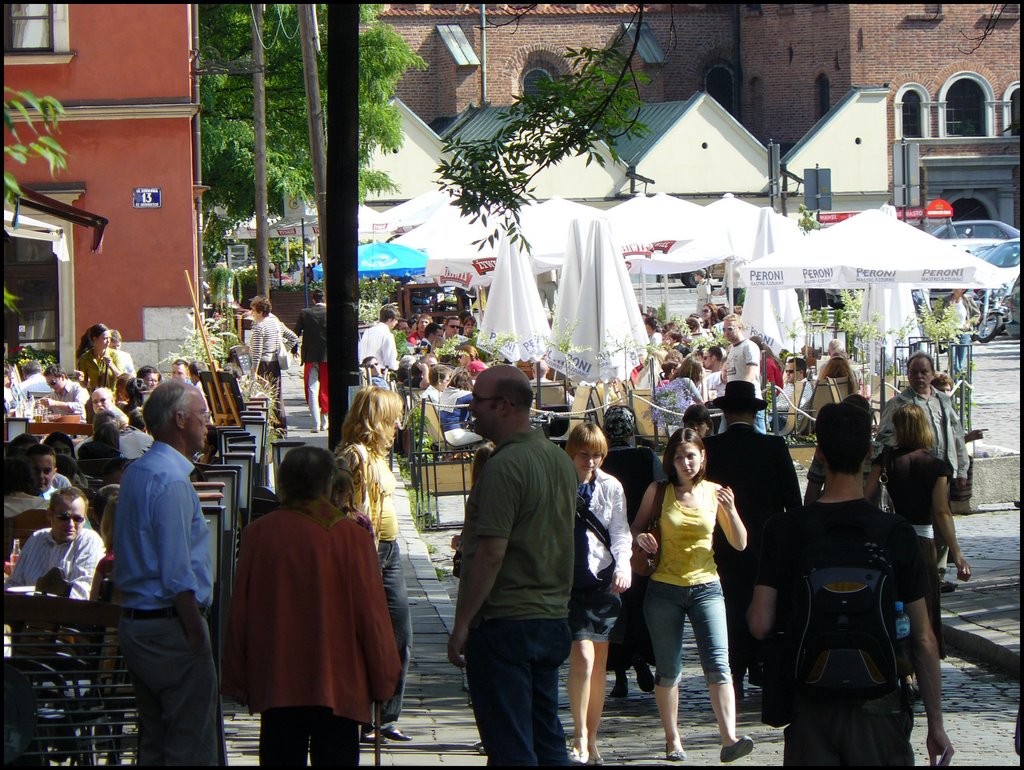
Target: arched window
{"x":532,"y":78}
{"x":965,"y":109}
{"x":911,"y":113}
{"x":1011,"y":120}
{"x":821,"y":89}
{"x":718,"y":84}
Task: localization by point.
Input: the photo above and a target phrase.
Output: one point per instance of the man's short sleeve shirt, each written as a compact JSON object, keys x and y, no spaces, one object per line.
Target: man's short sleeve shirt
{"x":527,"y":495}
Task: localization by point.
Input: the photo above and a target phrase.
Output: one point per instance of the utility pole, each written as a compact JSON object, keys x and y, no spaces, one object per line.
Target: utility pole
{"x":259,"y":98}
{"x":310,"y":38}
{"x":343,"y":203}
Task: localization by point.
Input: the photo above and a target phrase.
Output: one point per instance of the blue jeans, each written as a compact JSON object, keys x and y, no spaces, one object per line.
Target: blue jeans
{"x":960,"y":353}
{"x":666,"y":609}
{"x":390,"y":557}
{"x":512,"y":667}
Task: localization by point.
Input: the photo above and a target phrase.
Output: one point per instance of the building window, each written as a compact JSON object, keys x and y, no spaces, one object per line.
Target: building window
{"x":965,"y":109}
{"x":648,"y":47}
{"x":532,"y":78}
{"x":718,"y":84}
{"x":28,"y":27}
{"x":458,"y":45}
{"x":1011,"y":114}
{"x":911,"y":113}
{"x":821,"y":90}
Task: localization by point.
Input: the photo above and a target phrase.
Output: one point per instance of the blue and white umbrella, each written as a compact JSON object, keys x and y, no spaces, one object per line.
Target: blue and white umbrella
{"x":377,"y":259}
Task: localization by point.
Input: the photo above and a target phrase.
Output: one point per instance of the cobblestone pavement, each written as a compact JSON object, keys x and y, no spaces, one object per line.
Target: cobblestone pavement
{"x":980,"y":701}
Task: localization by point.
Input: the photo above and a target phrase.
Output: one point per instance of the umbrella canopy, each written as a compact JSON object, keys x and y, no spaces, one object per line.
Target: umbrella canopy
{"x":890,"y":309}
{"x":646,"y":227}
{"x":413,"y":212}
{"x":514,"y":309}
{"x":607,"y":336}
{"x":774,"y":313}
{"x":868,"y":249}
{"x":377,"y":259}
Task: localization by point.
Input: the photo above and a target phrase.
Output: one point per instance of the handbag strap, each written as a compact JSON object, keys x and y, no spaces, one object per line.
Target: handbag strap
{"x":659,"y":503}
{"x":590,"y":520}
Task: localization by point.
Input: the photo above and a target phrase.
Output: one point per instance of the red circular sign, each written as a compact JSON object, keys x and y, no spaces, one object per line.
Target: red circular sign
{"x":939,"y":208}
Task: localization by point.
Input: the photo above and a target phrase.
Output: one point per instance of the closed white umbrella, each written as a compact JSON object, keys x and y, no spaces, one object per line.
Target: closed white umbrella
{"x":570,"y":279}
{"x":514,"y":321}
{"x":774,"y":313}
{"x":608,"y":335}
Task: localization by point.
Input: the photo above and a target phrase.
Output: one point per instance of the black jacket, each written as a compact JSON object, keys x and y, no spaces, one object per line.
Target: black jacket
{"x":312,"y":327}
{"x":760,"y":473}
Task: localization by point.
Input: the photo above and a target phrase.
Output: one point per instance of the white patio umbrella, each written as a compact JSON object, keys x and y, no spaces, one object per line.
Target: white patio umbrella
{"x":609,"y":333}
{"x":371,"y":224}
{"x":891,"y":309}
{"x":774,"y":313}
{"x":730,"y":227}
{"x":415,"y":211}
{"x":514,"y":309}
{"x":868,"y":249}
{"x":570,"y":280}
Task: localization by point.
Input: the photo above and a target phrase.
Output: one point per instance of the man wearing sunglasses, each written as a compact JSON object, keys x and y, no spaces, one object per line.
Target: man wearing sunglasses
{"x":67,"y":549}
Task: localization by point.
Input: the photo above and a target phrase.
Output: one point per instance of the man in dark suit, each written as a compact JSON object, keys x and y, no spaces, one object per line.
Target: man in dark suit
{"x":312,"y":327}
{"x":760,"y":472}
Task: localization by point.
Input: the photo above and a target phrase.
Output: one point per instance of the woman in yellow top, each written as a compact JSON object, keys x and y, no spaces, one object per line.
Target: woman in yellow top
{"x":686,"y":584}
{"x":366,"y":439}
{"x":98,"y":360}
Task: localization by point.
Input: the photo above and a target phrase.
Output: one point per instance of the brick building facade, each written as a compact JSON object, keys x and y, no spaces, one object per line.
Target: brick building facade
{"x":777,"y":68}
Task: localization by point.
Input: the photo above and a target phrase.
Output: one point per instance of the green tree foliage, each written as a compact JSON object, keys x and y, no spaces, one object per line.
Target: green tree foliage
{"x":595,"y":103}
{"x":34,"y":110}
{"x":44,"y":111}
{"x":227,"y":108}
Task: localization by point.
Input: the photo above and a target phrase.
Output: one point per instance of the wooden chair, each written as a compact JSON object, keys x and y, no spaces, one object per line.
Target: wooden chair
{"x":24,"y":525}
{"x":795,"y":422}
{"x":830,"y":391}
{"x":432,"y":415}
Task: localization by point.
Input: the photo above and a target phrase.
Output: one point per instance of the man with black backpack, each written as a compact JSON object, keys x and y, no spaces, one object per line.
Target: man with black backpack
{"x":832,"y":579}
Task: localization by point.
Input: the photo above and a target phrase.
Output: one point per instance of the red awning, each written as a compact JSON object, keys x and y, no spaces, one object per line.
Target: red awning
{"x":47,"y":205}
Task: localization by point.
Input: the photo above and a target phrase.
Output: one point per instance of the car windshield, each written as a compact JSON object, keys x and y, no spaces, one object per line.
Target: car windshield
{"x":941,"y":231}
{"x":1003,"y":255}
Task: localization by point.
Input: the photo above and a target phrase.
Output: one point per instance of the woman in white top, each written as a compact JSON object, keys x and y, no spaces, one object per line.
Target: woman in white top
{"x":603,"y":545}
{"x":264,"y":344}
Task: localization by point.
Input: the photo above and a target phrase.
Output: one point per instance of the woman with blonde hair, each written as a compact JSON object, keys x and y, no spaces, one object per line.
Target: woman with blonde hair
{"x":917,"y":483}
{"x":366,"y":438}
{"x":602,"y":572}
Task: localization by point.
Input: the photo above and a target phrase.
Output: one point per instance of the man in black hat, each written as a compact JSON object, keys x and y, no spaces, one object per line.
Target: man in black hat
{"x":760,"y":472}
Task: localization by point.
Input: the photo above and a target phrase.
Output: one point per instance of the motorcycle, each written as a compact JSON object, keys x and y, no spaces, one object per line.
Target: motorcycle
{"x":996,"y":318}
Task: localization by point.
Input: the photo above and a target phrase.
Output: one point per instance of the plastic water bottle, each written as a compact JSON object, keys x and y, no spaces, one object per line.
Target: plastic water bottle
{"x":902,"y":622}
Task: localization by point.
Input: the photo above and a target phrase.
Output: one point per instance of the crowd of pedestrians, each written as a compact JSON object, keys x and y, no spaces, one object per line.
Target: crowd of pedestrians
{"x":598,"y":554}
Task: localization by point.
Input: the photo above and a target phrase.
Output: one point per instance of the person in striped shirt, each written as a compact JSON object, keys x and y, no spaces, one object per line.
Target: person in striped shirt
{"x":66,"y":547}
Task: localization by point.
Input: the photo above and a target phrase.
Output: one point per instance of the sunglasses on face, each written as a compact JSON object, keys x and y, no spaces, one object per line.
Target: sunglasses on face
{"x":69,"y":517}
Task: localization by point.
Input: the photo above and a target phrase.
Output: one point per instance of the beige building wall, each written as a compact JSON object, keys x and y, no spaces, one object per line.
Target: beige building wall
{"x":854,"y":144}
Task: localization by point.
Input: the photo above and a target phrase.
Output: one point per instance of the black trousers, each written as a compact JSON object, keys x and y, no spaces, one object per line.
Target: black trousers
{"x":287,"y":734}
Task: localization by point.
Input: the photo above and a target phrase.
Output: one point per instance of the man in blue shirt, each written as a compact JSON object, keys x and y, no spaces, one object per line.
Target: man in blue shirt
{"x":164,"y":572}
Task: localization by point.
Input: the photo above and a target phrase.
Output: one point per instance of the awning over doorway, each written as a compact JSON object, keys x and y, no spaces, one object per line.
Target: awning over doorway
{"x":34,"y":201}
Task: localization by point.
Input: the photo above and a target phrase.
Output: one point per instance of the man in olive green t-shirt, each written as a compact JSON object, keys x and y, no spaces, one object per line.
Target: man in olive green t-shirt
{"x":511,"y":614}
